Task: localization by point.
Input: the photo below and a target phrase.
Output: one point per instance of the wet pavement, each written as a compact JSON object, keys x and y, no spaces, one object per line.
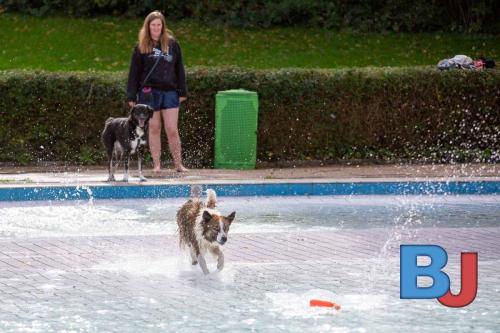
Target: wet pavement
{"x":145,"y":284}
{"x":10,"y":176}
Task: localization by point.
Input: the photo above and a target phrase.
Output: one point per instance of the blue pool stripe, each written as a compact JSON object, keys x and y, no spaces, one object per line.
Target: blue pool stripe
{"x":256,"y":189}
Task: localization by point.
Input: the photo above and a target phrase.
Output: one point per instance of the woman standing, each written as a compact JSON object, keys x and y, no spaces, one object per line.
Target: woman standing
{"x":157,"y":78}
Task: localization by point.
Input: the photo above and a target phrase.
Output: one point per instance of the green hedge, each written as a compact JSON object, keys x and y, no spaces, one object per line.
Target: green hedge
{"x":363,"y":15}
{"x":390,"y":114}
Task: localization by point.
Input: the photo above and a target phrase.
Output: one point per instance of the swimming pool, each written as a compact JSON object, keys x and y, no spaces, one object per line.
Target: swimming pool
{"x":115,"y":265}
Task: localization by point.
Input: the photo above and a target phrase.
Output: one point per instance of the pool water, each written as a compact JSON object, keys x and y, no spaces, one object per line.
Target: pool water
{"x":115,"y":266}
{"x":255,"y":215}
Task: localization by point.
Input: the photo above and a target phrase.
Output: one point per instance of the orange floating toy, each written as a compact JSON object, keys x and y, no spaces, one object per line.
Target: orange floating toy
{"x":325,"y":304}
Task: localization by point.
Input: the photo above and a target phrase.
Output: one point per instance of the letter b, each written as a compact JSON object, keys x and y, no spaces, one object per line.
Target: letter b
{"x":409,"y":271}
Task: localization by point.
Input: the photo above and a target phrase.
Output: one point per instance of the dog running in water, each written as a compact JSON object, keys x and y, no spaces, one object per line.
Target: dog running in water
{"x":203,"y":229}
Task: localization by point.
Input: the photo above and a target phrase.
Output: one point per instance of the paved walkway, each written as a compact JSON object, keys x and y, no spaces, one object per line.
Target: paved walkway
{"x":74,"y":175}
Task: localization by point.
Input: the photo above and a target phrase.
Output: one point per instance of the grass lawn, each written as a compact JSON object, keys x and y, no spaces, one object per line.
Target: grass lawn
{"x":59,"y":43}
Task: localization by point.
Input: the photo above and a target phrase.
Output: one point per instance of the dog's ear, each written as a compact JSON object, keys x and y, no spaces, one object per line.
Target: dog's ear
{"x":151,"y":112}
{"x":230,"y":217}
{"x":206,"y":216}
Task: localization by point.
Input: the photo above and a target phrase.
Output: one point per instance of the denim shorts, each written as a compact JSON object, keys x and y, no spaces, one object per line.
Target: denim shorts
{"x":161,"y":99}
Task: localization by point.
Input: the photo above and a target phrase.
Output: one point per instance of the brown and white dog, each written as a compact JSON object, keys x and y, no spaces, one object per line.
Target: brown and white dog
{"x":203,"y":229}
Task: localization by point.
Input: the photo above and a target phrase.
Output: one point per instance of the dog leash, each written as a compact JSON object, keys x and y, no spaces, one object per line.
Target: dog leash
{"x":149,"y":74}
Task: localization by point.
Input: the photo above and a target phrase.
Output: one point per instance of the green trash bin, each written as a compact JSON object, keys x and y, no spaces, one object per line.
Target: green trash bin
{"x":236,"y":129}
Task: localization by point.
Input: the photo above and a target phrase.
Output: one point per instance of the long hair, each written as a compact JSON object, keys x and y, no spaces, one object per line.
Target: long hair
{"x":146,"y":43}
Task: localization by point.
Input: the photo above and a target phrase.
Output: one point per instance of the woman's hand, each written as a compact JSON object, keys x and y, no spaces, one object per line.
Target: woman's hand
{"x":131,"y":104}
{"x":182,"y":99}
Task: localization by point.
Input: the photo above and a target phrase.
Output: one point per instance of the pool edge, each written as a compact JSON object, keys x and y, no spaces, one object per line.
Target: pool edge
{"x":129,"y":191}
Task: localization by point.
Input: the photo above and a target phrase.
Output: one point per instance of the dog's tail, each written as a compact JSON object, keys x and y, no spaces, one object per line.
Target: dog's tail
{"x":211,"y":199}
{"x":107,"y":135}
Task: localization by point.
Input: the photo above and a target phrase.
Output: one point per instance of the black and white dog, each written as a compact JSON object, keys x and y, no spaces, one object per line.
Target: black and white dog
{"x":125,"y":136}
